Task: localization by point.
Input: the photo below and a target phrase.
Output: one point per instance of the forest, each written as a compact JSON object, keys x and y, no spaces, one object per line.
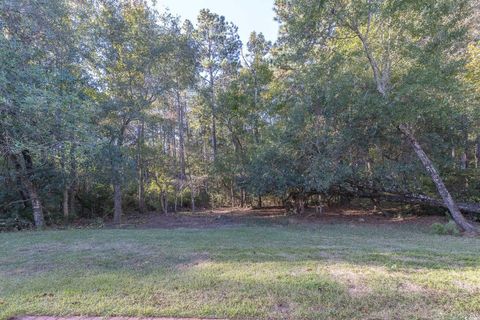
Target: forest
{"x":109,"y":107}
{"x":156,"y":166}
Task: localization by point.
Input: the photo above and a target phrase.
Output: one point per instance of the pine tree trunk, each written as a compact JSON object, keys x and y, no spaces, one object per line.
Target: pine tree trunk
{"x":117,"y":178}
{"x":181,"y":198}
{"x":73,"y":179}
{"x":117,"y":202}
{"x":71,"y":202}
{"x":464,"y":160}
{"x":66,"y":182}
{"x":175,"y":203}
{"x":477,"y":151}
{"x":464,"y":156}
{"x":214,"y":137}
{"x":437,"y":180}
{"x":213,"y":107}
{"x":192,"y":198}
{"x":141,"y":192}
{"x":212,"y":201}
{"x":141,"y":182}
{"x":232,"y":195}
{"x":181,"y":137}
{"x":65,"y":206}
{"x":242,"y":198}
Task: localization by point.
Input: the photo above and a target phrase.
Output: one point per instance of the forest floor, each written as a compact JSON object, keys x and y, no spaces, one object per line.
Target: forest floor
{"x":257,"y":264}
{"x":228,"y":217}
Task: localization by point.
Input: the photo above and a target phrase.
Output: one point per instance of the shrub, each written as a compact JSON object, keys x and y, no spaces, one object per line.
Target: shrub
{"x":449,"y":228}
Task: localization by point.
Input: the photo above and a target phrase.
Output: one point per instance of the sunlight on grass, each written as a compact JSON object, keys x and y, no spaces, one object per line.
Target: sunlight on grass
{"x":291,"y":272}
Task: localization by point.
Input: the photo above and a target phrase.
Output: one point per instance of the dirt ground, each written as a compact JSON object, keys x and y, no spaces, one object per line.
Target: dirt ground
{"x":226,"y":217}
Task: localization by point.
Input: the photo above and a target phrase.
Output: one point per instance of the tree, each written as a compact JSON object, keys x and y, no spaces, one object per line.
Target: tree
{"x":130,"y":61}
{"x":41,"y":90}
{"x":219,"y":49}
{"x":408,"y":47}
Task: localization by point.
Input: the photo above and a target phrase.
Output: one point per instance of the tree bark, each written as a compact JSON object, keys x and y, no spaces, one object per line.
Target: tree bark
{"x":192,"y":197}
{"x":214,"y":137}
{"x":37,"y":209}
{"x":65,"y":206}
{"x":141,"y":183}
{"x":164,"y":202}
{"x":464,"y":156}
{"x":141,"y":192}
{"x":175,"y":201}
{"x":437,"y":180}
{"x":181,"y":137}
{"x":232,"y":195}
{"x":73,"y":179}
{"x":464,"y":160}
{"x":116,"y":175}
{"x":242,"y":198}
{"x":418,"y":199}
{"x":381,"y":78}
{"x":319,"y":207}
{"x":24,"y":166}
{"x":477,"y":151}
{"x":214,"y":116}
{"x":66,"y":182}
{"x":117,"y":202}
{"x":299,"y":203}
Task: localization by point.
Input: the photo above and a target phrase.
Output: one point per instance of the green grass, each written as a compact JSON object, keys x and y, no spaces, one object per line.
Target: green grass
{"x":245,"y":272}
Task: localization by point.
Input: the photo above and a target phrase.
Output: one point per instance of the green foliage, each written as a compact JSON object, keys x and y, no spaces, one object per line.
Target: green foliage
{"x":449,"y":228}
{"x":114,"y":95}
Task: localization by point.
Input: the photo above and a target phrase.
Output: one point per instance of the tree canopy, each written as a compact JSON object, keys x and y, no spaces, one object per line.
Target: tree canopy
{"x":109,"y":105}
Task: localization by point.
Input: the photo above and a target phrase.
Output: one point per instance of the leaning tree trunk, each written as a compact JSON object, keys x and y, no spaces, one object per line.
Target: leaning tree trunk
{"x":442,"y":189}
{"x":382,"y":78}
{"x":417,"y":199}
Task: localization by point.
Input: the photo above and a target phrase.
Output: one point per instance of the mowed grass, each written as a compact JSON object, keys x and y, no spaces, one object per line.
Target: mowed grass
{"x":244,"y":272}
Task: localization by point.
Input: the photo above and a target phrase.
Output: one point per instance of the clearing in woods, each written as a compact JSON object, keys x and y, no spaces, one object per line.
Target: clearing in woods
{"x":253,"y":264}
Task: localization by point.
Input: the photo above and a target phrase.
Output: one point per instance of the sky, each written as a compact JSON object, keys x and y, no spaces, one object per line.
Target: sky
{"x":247,"y":15}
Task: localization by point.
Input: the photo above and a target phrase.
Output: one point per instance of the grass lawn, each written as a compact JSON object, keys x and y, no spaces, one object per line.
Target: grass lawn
{"x":337,"y":271}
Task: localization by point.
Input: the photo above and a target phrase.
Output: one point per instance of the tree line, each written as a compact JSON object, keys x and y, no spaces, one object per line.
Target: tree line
{"x":110,"y":105}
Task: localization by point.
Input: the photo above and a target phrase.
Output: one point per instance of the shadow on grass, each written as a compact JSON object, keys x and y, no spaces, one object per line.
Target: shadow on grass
{"x":277,"y":272}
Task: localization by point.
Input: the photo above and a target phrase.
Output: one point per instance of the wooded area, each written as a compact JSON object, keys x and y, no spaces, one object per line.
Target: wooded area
{"x":109,"y":106}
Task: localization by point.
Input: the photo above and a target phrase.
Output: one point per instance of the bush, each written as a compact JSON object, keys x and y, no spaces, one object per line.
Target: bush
{"x":10,"y":224}
{"x":449,"y":228}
